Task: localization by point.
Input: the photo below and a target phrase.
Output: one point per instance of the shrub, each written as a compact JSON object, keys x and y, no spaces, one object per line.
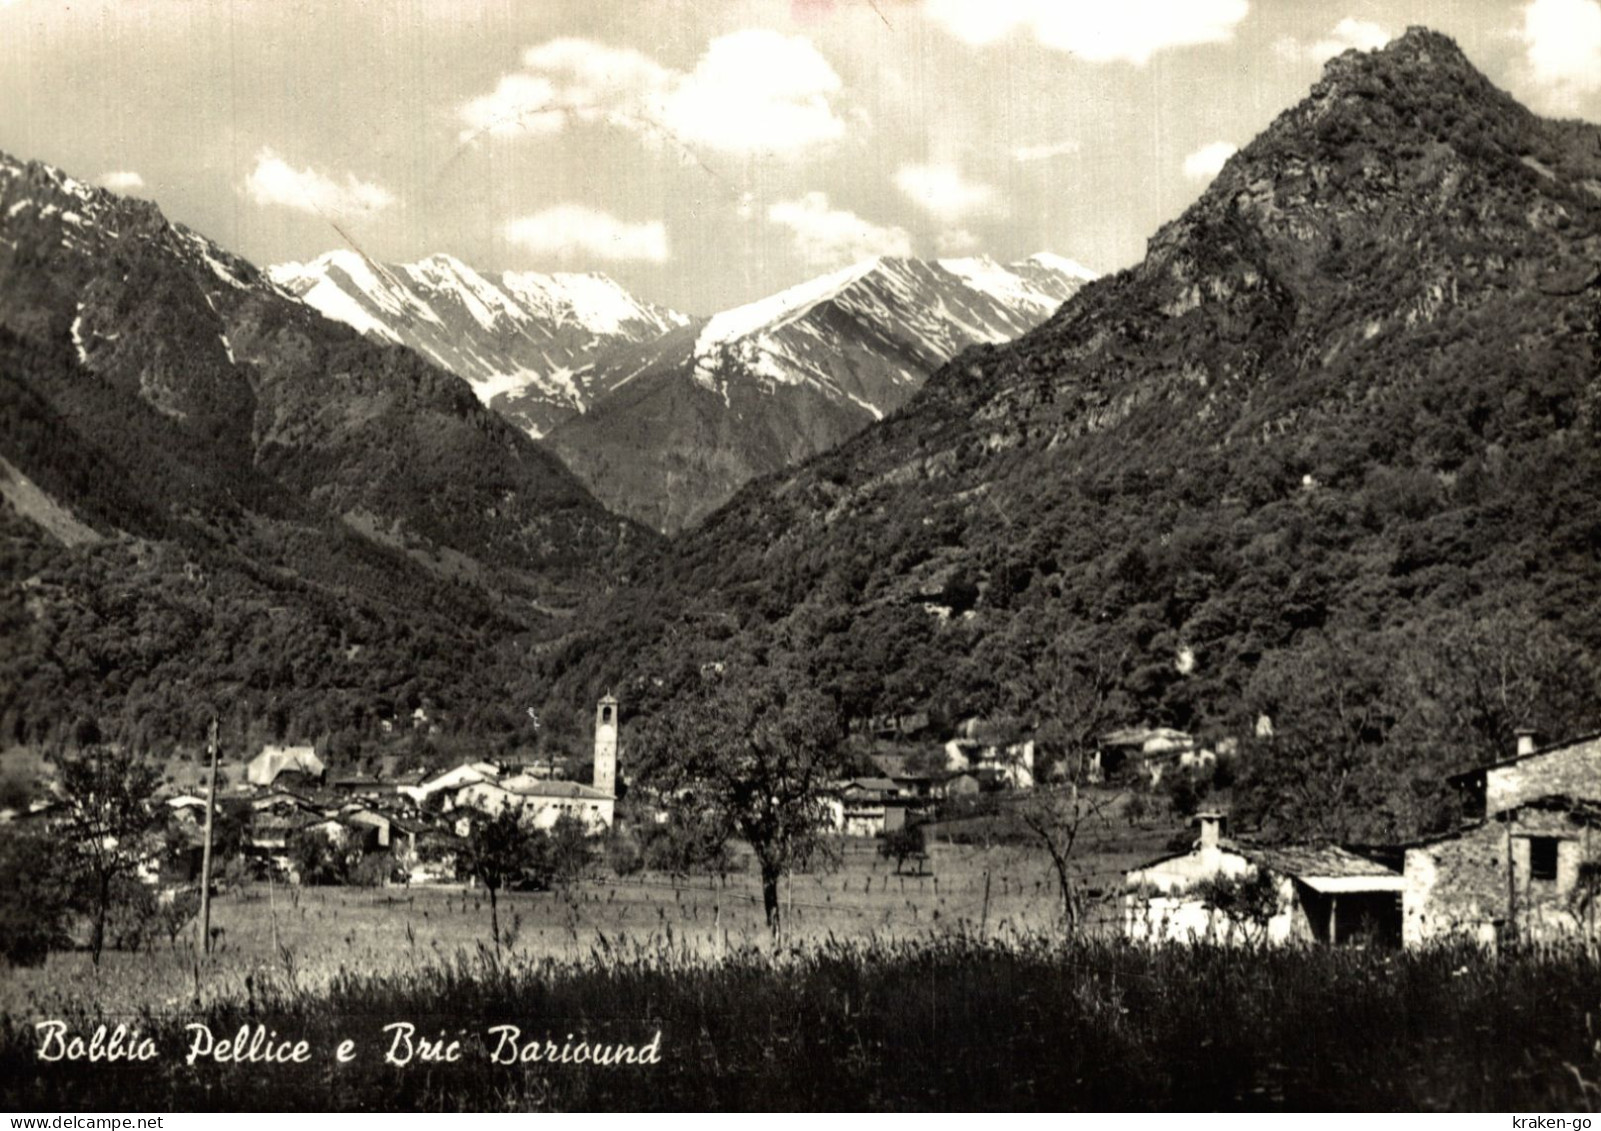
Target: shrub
{"x":903,"y":844}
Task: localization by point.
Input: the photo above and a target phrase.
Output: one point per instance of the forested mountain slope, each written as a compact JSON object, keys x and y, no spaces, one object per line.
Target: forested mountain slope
{"x":1350,"y":395}
{"x":221,"y":501}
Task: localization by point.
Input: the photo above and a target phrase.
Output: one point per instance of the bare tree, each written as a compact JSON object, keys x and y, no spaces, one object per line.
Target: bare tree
{"x":1071,"y":693}
{"x":1064,"y":818}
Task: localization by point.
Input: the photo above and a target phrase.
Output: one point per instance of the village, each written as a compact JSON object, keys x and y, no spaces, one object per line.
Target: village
{"x":1523,"y":865}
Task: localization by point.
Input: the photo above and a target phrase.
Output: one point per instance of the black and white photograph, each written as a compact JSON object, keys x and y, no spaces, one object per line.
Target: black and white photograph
{"x":800,"y":556}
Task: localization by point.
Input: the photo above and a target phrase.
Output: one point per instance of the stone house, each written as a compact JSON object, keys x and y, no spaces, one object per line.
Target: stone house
{"x":1565,"y":769}
{"x":1525,"y":865}
{"x":1321,"y":893}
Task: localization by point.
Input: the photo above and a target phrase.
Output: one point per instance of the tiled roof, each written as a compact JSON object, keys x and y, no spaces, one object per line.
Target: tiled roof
{"x":1314,"y":860}
{"x":568,"y":789}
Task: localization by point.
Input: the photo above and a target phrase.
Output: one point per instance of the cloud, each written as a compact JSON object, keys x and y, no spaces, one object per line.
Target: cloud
{"x":825,"y":236}
{"x":756,"y":90}
{"x":1349,"y":33}
{"x":751,"y":91}
{"x":1562,"y":40}
{"x":1045,"y":152}
{"x":1207,"y":161}
{"x":120,"y":180}
{"x":1097,"y":32}
{"x":275,"y":182}
{"x":576,"y":231}
{"x":942,"y":192}
{"x":955,"y":241}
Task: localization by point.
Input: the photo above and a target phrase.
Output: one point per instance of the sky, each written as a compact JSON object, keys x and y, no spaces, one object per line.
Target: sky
{"x":704,"y":153}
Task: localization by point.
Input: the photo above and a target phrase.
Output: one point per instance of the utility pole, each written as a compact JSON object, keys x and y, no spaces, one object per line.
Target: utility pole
{"x":205,"y":858}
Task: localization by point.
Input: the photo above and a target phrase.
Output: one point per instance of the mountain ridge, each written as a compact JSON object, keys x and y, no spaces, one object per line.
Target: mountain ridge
{"x":523,"y":331}
{"x":283,"y":511}
{"x":678,"y":425}
{"x":1352,"y":389}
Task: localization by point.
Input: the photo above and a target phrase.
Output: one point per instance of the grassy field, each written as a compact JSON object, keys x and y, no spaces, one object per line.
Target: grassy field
{"x":310,"y":936}
{"x":887,"y":992}
{"x":949,"y":1022}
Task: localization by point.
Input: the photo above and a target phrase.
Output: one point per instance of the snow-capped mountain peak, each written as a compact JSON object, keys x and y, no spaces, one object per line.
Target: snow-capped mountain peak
{"x":678,"y":425}
{"x":1069,"y":268}
{"x":524,"y":333}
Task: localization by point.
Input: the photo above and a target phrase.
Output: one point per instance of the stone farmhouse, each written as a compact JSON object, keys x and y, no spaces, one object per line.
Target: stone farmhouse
{"x":1524,"y":866}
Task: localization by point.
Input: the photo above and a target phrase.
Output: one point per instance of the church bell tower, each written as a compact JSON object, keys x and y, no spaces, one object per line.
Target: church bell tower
{"x":606,"y":745}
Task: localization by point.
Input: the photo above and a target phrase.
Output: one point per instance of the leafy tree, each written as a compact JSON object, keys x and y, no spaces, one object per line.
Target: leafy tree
{"x":110,"y":828}
{"x":570,"y":848}
{"x":36,"y":896}
{"x":1478,"y":680}
{"x":500,"y":849}
{"x":318,"y":858}
{"x":691,"y":842}
{"x":753,"y":748}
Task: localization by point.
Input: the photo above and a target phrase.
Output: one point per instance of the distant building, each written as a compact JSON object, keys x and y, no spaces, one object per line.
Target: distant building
{"x":866,"y":807}
{"x":451,"y":781}
{"x":291,"y":763}
{"x":543,"y":802}
{"x":1009,"y":766}
{"x":1144,"y":754}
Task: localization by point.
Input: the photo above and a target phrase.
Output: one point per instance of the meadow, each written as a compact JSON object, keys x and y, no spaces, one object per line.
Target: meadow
{"x":870,"y":1001}
{"x":953,"y":1022}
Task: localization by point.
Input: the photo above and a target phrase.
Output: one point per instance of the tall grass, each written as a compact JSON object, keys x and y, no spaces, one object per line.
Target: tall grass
{"x":948,"y":1023}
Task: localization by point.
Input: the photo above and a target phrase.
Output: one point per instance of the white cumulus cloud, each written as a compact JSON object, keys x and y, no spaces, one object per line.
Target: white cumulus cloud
{"x":274,"y":181}
{"x":943,"y":193}
{"x":1097,"y":31}
{"x":1562,"y":39}
{"x":825,"y":236}
{"x":576,"y":231}
{"x":956,"y":241}
{"x":121,"y":180}
{"x":1207,"y":161}
{"x":1363,"y":35}
{"x":751,"y":91}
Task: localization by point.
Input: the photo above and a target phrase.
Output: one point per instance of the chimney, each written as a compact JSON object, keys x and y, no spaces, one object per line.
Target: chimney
{"x":1528,"y":739}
